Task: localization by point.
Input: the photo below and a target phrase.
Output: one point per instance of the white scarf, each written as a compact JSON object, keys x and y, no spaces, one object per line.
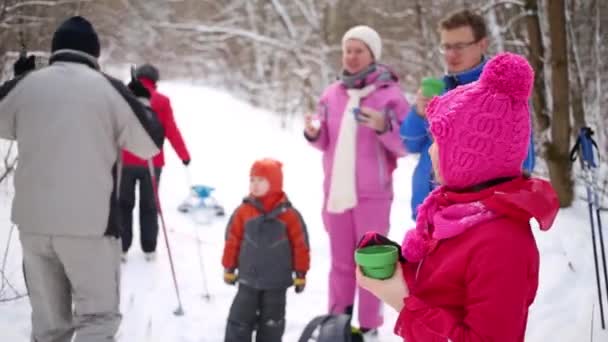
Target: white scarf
{"x":343,"y":185}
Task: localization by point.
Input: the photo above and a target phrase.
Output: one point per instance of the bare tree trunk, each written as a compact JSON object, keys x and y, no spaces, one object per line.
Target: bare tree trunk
{"x":424,"y":35}
{"x":576,"y":88}
{"x":495,"y":28}
{"x":252,"y":12}
{"x":578,"y":107}
{"x":558,"y":159}
{"x":307,"y":87}
{"x":336,"y":22}
{"x":599,"y":58}
{"x":536,"y":57}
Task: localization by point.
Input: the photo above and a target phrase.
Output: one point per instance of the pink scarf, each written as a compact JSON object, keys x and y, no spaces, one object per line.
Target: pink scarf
{"x":440,"y":219}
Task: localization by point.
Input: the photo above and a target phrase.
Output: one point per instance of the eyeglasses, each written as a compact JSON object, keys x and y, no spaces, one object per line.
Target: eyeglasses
{"x":457,"y":47}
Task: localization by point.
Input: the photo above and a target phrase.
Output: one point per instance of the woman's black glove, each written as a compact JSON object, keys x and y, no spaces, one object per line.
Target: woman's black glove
{"x":24,"y":65}
{"x":138,"y":89}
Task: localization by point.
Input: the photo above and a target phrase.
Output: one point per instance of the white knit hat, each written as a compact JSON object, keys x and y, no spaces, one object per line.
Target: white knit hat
{"x":369,"y":36}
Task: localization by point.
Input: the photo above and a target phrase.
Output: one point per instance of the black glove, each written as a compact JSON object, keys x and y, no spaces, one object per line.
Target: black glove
{"x":24,"y":65}
{"x":299,"y":282}
{"x":373,"y":238}
{"x":138,"y":89}
{"x":186,"y":162}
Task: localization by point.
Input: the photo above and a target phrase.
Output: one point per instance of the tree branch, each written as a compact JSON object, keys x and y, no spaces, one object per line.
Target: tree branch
{"x":227,"y":30}
{"x":285,"y":19}
{"x":492,"y":5}
{"x":22,"y":4}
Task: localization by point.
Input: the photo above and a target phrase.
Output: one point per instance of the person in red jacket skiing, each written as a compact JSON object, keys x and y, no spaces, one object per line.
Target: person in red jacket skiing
{"x":136,"y":170}
{"x":470,"y":266}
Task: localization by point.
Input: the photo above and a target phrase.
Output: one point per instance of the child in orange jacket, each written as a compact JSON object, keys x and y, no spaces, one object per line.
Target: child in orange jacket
{"x":267,"y":242}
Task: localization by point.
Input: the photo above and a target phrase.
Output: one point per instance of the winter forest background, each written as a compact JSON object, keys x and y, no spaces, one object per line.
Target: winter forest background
{"x":280,"y":54}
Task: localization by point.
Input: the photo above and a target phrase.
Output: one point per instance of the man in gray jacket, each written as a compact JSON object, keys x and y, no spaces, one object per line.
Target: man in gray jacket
{"x":70,"y":122}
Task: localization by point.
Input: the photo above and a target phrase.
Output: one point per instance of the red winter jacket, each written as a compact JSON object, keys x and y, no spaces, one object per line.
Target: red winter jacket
{"x":477,"y":286}
{"x":162,"y":106}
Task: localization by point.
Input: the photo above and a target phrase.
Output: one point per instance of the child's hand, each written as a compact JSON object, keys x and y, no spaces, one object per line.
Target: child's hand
{"x":392,"y":291}
{"x":230,"y":277}
{"x":300,"y":282}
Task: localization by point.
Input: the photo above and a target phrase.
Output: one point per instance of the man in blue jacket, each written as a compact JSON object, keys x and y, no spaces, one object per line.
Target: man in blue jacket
{"x":464,"y":41}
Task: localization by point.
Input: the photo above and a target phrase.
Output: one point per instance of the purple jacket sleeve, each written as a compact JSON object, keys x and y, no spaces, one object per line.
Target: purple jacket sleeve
{"x":391,"y":139}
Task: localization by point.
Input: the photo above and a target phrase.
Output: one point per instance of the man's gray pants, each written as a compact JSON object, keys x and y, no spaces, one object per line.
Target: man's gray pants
{"x":74,"y":287}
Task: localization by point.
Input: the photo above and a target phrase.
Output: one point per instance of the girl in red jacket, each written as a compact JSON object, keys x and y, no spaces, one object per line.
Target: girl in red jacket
{"x":471,"y":263}
{"x":136,"y":171}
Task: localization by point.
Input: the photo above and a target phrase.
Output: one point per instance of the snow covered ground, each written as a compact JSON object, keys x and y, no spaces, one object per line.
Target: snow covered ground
{"x":225,"y":136}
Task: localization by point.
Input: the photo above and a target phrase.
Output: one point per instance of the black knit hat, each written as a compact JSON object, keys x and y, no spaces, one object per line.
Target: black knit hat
{"x":76,"y":33}
{"x":148,"y":71}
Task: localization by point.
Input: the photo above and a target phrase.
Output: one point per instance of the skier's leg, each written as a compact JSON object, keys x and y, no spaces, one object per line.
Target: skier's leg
{"x":48,"y":290}
{"x":96,"y":299}
{"x":126,"y":201}
{"x":148,"y":213}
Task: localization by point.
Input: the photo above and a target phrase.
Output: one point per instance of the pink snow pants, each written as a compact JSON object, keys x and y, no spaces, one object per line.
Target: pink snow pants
{"x":345,"y":230}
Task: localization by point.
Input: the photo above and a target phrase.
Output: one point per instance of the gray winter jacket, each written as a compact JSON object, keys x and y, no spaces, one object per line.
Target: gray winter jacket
{"x":70,"y":122}
{"x":265,"y":258}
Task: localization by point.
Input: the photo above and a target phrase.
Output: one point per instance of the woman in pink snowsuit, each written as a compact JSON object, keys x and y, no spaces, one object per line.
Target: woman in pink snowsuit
{"x":358,"y":134}
{"x":471,"y":263}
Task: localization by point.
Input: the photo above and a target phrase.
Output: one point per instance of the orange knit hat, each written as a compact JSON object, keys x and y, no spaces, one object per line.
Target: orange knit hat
{"x":270,"y":169}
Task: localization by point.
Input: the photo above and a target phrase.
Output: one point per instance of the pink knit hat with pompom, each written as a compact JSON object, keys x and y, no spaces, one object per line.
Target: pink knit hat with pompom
{"x":483,"y":129}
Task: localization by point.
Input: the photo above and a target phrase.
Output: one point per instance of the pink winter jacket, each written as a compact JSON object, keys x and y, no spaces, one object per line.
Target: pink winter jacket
{"x":376,"y":154}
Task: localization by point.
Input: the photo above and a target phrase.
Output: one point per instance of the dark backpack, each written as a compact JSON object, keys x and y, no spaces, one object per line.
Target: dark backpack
{"x":155,"y":127}
{"x":330,"y":328}
{"x":147,"y":117}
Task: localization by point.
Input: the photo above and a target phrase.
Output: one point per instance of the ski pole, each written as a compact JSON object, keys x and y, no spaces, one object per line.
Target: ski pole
{"x":4,"y":278}
{"x":206,"y":293}
{"x":588,"y":144}
{"x":199,"y":242}
{"x":584,"y":147}
{"x":595,"y":257}
{"x":179,"y":311}
{"x":188,"y":177}
{"x":23,"y":52}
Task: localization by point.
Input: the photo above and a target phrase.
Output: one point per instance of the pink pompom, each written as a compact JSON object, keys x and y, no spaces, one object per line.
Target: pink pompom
{"x":509,"y":74}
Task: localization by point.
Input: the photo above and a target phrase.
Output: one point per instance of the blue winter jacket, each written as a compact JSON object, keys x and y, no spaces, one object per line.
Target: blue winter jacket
{"x":417,"y":139}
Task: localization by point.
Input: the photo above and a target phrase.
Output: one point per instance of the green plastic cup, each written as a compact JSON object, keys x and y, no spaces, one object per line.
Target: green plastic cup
{"x":432,"y":86}
{"x":378,"y":261}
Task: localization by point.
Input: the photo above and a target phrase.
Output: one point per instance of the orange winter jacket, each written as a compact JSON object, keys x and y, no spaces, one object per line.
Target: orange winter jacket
{"x":266,"y":246}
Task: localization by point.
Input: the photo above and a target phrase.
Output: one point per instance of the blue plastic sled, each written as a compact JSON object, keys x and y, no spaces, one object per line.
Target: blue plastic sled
{"x":200,"y":198}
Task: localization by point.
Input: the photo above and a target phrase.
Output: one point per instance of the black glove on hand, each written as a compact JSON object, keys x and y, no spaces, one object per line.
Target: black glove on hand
{"x":138,"y":89}
{"x":24,"y":65}
{"x":373,"y":238}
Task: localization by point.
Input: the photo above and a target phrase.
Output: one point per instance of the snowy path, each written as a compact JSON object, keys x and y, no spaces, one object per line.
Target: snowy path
{"x":225,"y":136}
